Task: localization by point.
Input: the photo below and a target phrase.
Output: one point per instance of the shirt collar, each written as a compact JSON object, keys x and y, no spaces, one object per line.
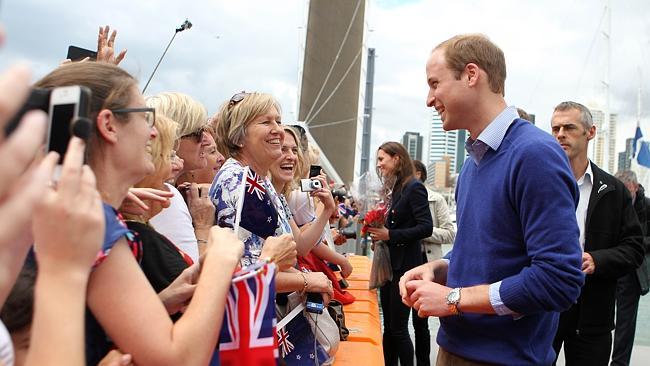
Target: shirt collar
{"x":588,"y":177}
{"x":493,"y":134}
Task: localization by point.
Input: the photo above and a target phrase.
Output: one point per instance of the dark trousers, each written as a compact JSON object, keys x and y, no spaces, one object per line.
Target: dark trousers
{"x":628,"y":292}
{"x":422,"y":339}
{"x":396,"y":341}
{"x":422,"y":335}
{"x":581,"y":349}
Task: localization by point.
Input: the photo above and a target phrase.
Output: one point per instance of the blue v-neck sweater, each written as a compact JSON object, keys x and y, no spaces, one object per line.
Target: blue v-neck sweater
{"x":516,"y":224}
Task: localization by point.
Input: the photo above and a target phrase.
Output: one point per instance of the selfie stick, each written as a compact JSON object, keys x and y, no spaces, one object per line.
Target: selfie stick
{"x":186,"y":25}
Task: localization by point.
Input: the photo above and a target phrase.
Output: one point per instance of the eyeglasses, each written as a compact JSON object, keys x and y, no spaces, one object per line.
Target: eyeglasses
{"x":196,"y":135}
{"x":237,"y":98}
{"x":149,"y":113}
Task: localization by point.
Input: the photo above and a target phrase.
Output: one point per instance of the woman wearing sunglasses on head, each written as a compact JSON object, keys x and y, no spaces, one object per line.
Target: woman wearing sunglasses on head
{"x":249,"y":131}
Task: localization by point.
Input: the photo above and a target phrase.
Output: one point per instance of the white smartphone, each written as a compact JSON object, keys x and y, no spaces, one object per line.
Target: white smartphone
{"x":67,"y":104}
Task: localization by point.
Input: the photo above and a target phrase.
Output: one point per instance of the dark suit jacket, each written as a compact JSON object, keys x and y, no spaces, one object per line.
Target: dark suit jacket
{"x":408,"y":221}
{"x":613,"y":238}
{"x":642,"y":208}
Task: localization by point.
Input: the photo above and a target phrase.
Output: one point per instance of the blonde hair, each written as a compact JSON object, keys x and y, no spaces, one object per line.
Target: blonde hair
{"x":301,"y":165}
{"x":314,"y":155}
{"x":187,"y":112}
{"x":163,"y":144}
{"x":233,"y":118}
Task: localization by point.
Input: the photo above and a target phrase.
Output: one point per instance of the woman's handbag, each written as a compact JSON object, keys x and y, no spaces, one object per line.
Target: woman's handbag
{"x":381,"y":270}
{"x":335,"y":308}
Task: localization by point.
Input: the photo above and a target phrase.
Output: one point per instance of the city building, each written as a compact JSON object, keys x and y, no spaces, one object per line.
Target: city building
{"x":441,"y":174}
{"x":412,"y":141}
{"x":450,"y":144}
{"x":611,"y":144}
{"x":625,"y":157}
{"x":603,"y":151}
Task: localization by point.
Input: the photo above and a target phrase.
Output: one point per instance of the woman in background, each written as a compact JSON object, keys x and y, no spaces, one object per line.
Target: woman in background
{"x":408,"y":221}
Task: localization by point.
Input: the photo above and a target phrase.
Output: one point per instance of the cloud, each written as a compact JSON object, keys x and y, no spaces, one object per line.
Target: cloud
{"x":257,"y":45}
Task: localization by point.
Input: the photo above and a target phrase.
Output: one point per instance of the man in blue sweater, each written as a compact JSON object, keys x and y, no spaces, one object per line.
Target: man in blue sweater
{"x":516,"y":258}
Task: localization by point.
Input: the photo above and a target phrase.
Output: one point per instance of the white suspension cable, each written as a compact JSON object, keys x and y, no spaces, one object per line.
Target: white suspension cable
{"x":308,"y":121}
{"x":333,"y":123}
{"x":329,"y":73}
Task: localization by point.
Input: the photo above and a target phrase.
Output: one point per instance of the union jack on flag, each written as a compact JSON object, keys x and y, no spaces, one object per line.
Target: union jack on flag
{"x":258,"y":214}
{"x":254,"y":185}
{"x":248,"y":329}
{"x":284,"y":343}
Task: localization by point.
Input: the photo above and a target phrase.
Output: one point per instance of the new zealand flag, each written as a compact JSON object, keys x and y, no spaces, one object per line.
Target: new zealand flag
{"x":296,"y":340}
{"x":247,"y":333}
{"x":258,"y":214}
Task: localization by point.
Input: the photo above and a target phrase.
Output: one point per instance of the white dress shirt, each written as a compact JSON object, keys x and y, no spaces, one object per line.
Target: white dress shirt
{"x":586,"y":184}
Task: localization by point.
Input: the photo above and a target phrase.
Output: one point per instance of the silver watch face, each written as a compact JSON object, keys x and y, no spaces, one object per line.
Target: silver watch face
{"x":454,"y":296}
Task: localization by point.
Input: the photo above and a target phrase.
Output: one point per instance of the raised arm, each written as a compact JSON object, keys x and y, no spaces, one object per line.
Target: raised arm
{"x":22,"y":182}
{"x":308,"y":238}
{"x":131,"y":313}
{"x":68,"y":231}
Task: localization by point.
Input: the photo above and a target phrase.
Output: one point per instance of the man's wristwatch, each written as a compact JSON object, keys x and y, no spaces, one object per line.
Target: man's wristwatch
{"x":453,"y":299}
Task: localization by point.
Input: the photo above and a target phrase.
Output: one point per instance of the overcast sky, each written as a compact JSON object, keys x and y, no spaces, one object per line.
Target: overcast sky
{"x":554,"y":50}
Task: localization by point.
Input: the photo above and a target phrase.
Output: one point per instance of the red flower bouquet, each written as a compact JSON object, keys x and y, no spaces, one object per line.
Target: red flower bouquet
{"x":374,"y":218}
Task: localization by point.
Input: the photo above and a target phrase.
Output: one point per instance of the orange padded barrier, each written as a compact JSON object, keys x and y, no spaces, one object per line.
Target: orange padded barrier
{"x":364,"y":344}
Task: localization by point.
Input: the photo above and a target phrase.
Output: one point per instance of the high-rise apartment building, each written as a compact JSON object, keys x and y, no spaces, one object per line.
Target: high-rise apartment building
{"x":412,"y":141}
{"x":611,"y":144}
{"x":603,"y":151}
{"x":449,"y":144}
{"x":625,"y":157}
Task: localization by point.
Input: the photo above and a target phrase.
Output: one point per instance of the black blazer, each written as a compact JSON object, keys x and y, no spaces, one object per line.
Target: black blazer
{"x":408,"y":221}
{"x":614,"y":239}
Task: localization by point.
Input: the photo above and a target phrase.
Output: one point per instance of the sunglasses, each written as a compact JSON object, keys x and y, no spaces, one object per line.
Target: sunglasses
{"x":196,"y":135}
{"x":237,"y":98}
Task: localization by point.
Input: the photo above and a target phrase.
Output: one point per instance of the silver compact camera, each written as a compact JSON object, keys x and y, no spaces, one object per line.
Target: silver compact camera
{"x":310,"y":185}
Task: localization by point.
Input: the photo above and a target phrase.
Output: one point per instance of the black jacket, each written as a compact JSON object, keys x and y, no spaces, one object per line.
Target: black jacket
{"x":642,"y":208}
{"x":613,"y":238}
{"x":408,"y":221}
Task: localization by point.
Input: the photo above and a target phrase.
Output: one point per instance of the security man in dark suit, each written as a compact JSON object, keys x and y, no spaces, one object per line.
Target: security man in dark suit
{"x":611,"y":238}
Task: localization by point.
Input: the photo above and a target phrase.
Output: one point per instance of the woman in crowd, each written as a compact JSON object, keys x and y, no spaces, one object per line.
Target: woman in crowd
{"x":119,"y":295}
{"x":249,"y":132}
{"x":215,"y":161}
{"x":285,"y":176}
{"x":162,"y":261}
{"x":186,"y":225}
{"x":408,"y":221}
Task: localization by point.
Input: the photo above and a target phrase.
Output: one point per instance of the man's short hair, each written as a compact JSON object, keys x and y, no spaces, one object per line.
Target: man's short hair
{"x":627,"y":176}
{"x":478,"y":49}
{"x":585,"y":115}
{"x":419,"y":167}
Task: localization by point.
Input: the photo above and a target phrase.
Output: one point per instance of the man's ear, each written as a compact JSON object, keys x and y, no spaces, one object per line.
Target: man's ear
{"x":106,"y":126}
{"x":472,"y":73}
{"x":591,"y":132}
